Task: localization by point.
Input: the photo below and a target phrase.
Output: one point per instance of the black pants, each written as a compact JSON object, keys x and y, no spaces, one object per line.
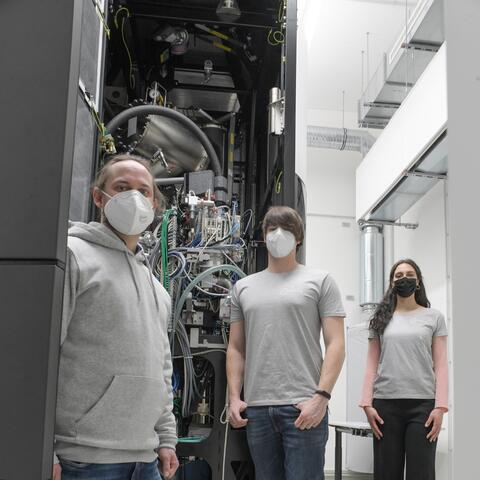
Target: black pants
{"x":404,"y":442}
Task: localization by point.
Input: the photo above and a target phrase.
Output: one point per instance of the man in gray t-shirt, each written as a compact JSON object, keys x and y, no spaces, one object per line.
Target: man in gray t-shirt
{"x":274,"y":351}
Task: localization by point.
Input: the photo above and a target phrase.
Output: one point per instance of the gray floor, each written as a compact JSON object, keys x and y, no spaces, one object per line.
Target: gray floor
{"x":329,"y":475}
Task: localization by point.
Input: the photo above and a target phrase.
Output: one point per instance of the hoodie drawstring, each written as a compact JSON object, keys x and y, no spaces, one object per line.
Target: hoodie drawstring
{"x":152,"y":285}
{"x":132,"y":271}
{"x":150,"y":278}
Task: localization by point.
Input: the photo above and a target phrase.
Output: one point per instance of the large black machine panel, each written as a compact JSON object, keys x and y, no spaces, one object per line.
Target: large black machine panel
{"x":38,"y":103}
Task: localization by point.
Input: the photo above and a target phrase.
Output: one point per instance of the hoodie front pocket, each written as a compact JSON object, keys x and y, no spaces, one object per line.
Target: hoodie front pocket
{"x":125,"y":416}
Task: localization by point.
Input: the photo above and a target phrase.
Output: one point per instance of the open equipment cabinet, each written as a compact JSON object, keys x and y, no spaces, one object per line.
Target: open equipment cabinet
{"x":227,"y":67}
{"x":205,"y":91}
{"x":225,"y":72}
{"x":185,"y":82}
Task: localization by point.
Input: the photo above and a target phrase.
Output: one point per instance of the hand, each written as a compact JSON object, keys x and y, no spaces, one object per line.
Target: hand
{"x":168,"y":462}
{"x":57,"y":472}
{"x":236,"y":407}
{"x":436,"y":417}
{"x":312,"y":412}
{"x":374,"y":420}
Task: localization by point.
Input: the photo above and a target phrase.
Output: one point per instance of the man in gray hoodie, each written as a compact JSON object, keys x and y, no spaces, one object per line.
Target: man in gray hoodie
{"x":114,"y":405}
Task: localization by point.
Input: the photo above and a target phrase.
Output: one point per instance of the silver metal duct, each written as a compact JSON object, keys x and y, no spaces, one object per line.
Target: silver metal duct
{"x":161,"y":182}
{"x":371,"y":266}
{"x":170,"y":147}
{"x":340,"y":139}
{"x":276,"y":112}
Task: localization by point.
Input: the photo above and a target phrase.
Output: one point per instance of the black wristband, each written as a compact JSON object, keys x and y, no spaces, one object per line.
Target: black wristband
{"x":323,"y":393}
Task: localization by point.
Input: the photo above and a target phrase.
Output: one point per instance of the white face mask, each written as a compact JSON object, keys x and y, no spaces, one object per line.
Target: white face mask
{"x":129,"y":212}
{"x":280,"y":242}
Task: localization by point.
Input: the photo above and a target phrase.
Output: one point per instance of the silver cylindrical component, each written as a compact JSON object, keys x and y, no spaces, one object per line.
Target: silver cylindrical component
{"x":170,"y":147}
{"x":202,"y":415}
{"x":371,"y":266}
{"x":275,"y":125}
{"x":160,"y":182}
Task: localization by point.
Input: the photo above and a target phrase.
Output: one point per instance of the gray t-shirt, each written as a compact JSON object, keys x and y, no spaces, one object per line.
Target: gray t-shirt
{"x":282,"y":314}
{"x":405,"y":369}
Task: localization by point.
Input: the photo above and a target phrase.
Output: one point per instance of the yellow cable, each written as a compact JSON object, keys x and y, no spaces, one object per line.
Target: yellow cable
{"x":281,"y":6}
{"x":118,"y":11}
{"x":131,"y":79}
{"x":130,"y":63}
{"x":219,"y":34}
{"x":282,"y":37}
{"x":273,"y":44}
{"x":100,"y":126}
{"x":273,"y":34}
{"x":222,"y":47}
{"x":278,"y":185}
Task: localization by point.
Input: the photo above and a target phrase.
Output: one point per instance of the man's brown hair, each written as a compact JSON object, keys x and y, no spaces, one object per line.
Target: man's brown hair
{"x":103,"y":175}
{"x":286,"y":218}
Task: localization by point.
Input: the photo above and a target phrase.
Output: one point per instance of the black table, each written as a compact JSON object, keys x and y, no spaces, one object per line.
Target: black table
{"x":358,"y":429}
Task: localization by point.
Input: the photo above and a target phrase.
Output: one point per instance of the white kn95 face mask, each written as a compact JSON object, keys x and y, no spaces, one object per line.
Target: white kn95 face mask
{"x":129,"y":212}
{"x":280,"y":242}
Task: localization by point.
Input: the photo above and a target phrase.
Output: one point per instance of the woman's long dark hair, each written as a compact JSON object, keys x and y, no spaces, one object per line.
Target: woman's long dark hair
{"x":384,"y":312}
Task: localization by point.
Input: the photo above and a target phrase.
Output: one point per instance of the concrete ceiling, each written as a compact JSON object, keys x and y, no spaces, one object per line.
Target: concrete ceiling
{"x":336,"y":35}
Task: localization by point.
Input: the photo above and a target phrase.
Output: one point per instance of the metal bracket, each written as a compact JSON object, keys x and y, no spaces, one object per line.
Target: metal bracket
{"x":87,"y":96}
{"x":399,"y":84}
{"x":101,"y":16}
{"x":382,"y":223}
{"x":159,"y":155}
{"x":381,"y":105}
{"x":280,"y":100}
{"x":424,"y":47}
{"x":371,"y":124}
{"x":438,"y":176}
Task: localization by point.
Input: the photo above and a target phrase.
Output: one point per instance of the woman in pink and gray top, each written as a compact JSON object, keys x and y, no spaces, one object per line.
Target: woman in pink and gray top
{"x":405,"y":391}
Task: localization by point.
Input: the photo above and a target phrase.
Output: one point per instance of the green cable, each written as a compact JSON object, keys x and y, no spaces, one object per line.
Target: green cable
{"x":164,"y":248}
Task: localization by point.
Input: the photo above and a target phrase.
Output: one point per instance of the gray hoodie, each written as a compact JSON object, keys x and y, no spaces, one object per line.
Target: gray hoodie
{"x":114,"y":400}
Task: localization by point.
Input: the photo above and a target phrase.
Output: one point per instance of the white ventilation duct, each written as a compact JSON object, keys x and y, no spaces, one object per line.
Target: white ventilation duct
{"x":371,"y":266}
{"x":340,"y":139}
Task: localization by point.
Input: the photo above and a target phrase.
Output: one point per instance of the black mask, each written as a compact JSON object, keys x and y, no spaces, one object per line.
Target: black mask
{"x":405,"y":286}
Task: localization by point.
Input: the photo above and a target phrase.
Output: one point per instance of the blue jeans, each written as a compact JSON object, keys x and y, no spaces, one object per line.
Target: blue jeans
{"x":112,"y":471}
{"x":279,"y":450}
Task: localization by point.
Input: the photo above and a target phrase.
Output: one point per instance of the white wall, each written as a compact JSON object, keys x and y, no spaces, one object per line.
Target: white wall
{"x":334,"y":246}
{"x":426,"y":246}
{"x":418,"y":122}
{"x":463,"y":74}
{"x":332,"y":236}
